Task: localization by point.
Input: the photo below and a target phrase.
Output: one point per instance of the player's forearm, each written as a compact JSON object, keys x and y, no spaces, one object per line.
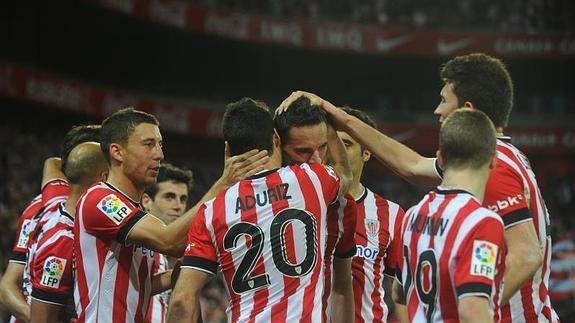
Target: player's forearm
{"x":44,"y":313}
{"x":401,"y":159}
{"x":397,"y":293}
{"x":474,"y":309}
{"x":161,"y":282}
{"x":12,"y":298}
{"x":520,"y":268}
{"x":401,"y":313}
{"x":52,"y":170}
{"x":342,"y":302}
{"x":340,"y":160}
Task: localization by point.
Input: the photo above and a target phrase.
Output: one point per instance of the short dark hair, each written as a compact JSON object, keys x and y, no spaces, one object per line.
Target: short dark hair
{"x":484,"y":81}
{"x":76,"y":136}
{"x":118,"y":127}
{"x":361,"y":115}
{"x":169,"y":172}
{"x":467,"y":139}
{"x":247,"y":125}
{"x":85,"y":167}
{"x":299,"y":113}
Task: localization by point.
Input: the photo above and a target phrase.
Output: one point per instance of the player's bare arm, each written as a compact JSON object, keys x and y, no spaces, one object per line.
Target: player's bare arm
{"x":401,"y":159}
{"x":400,"y":310}
{"x":474,"y":309}
{"x":340,"y":162}
{"x":397,"y":293}
{"x":343,"y":307}
{"x":171,"y":239}
{"x":41,"y":312}
{"x":524,"y":257}
{"x":161,"y":282}
{"x":11,"y":292}
{"x":185,"y":299}
{"x":52,"y":170}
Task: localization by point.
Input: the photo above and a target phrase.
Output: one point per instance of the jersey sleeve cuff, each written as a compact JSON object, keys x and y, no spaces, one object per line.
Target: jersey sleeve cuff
{"x":474,"y":289}
{"x":516,"y":217}
{"x":348,"y":254}
{"x":201,"y":264}
{"x":17,"y":257}
{"x":391,"y":272}
{"x":49,"y":297}
{"x":126,"y":228}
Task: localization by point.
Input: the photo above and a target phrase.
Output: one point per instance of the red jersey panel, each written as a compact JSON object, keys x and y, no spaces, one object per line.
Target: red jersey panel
{"x":452,"y":248}
{"x":378,"y":225}
{"x":158,"y":307}
{"x":113,"y":281}
{"x":51,"y":262}
{"x":24,"y":228}
{"x":513,"y":193}
{"x":268,"y":234}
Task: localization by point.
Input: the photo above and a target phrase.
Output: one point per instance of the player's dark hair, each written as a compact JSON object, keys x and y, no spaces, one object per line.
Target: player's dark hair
{"x":361,"y":115}
{"x":76,"y":136}
{"x":169,"y":172}
{"x":484,"y":81}
{"x":248,"y":125}
{"x":118,"y":127}
{"x":299,"y":113}
{"x":467,"y":139}
{"x":85,"y":165}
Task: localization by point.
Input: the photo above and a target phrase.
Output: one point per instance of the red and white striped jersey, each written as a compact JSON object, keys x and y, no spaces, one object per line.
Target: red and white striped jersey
{"x":513,"y":193}
{"x":452,"y":248}
{"x":378,"y":225}
{"x":25,"y":225}
{"x":157,"y":309}
{"x":268,"y":234}
{"x":341,"y":217}
{"x":51,"y":261}
{"x":113,"y":279}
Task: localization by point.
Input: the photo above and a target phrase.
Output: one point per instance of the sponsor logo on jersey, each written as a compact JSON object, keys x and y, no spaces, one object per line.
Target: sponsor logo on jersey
{"x":24,"y":235}
{"x":483,"y":258}
{"x":372,"y":227}
{"x":331,"y":172}
{"x":366,"y":252}
{"x":114,"y":208}
{"x":505,"y":203}
{"x":53,"y":272}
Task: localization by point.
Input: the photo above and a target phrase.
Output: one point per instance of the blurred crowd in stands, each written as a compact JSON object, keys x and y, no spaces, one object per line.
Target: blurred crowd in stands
{"x":463,"y":15}
{"x":24,"y":148}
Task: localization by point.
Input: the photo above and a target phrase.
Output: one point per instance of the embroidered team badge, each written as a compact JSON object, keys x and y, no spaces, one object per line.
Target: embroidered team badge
{"x":53,"y":272}
{"x":114,"y":208}
{"x":484,"y":258}
{"x":24,"y":235}
{"x":372,"y":228}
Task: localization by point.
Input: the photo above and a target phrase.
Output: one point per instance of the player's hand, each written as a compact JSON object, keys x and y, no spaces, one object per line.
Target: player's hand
{"x":314,"y":100}
{"x":336,"y":115}
{"x":242,"y":166}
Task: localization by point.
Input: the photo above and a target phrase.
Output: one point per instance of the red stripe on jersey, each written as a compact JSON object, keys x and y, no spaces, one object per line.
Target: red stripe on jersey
{"x":383,"y":239}
{"x":23,"y":233}
{"x":358,"y":263}
{"x":121,"y":284}
{"x":142,"y":303}
{"x":311,"y":199}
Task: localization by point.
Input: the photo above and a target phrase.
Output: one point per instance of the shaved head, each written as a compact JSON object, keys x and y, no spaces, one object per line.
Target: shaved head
{"x":86,"y":163}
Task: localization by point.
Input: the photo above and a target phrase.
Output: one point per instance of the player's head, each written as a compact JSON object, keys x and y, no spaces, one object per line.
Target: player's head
{"x":168,"y":198}
{"x":467,"y":141}
{"x":131,"y":140}
{"x":248,"y":125}
{"x":76,"y":136}
{"x":303,"y":130}
{"x":356,"y":154}
{"x":86,"y":164}
{"x":476,"y":81}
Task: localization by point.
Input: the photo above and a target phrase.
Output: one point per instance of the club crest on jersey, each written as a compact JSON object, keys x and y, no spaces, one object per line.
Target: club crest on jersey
{"x":114,"y":208}
{"x":24,"y":234}
{"x":53,"y":272}
{"x":372,"y":227}
{"x":484,"y":258}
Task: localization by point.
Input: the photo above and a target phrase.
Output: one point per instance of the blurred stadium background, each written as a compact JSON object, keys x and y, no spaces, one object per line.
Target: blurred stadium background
{"x":64,"y":63}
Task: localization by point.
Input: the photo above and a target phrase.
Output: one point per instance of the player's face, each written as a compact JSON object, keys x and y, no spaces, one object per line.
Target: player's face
{"x":143,"y":154}
{"x":448,"y":103}
{"x":307,"y":144}
{"x":355,"y":154}
{"x":170,"y":201}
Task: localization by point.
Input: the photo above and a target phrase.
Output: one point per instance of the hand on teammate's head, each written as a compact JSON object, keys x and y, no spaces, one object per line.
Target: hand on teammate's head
{"x":243,"y":166}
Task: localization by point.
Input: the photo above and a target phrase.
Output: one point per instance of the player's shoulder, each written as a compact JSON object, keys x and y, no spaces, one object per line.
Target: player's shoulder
{"x":33,"y":207}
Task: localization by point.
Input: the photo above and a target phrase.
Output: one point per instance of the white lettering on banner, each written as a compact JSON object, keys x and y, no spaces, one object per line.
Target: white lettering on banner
{"x":281,"y":32}
{"x":520,"y":46}
{"x":503,"y":204}
{"x":340,"y":38}
{"x":173,"y":119}
{"x":63,"y":95}
{"x":567,"y":46}
{"x":449,"y":47}
{"x":125,"y":6}
{"x":384,"y":44}
{"x":542,"y":140}
{"x":233,"y":25}
{"x":169,"y":12}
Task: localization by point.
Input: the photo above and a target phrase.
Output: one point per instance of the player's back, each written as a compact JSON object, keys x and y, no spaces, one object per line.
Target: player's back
{"x":270,"y":235}
{"x":452,"y":248}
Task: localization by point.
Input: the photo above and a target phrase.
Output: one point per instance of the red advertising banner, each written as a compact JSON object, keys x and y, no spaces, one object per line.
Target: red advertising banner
{"x":303,"y":33}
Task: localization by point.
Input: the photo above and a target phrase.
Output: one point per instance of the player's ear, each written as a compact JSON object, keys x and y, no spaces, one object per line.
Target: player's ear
{"x":277,"y":140}
{"x":146,"y":200}
{"x":493,"y":162}
{"x":116,"y":152}
{"x":439,"y":156}
{"x":469,"y":105}
{"x":104,"y":175}
{"x":365,"y":155}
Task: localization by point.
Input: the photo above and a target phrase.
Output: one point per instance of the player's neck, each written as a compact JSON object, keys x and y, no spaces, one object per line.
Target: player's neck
{"x":470,"y":180}
{"x":356,"y":189}
{"x":120,"y":181}
{"x":75,"y":192}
